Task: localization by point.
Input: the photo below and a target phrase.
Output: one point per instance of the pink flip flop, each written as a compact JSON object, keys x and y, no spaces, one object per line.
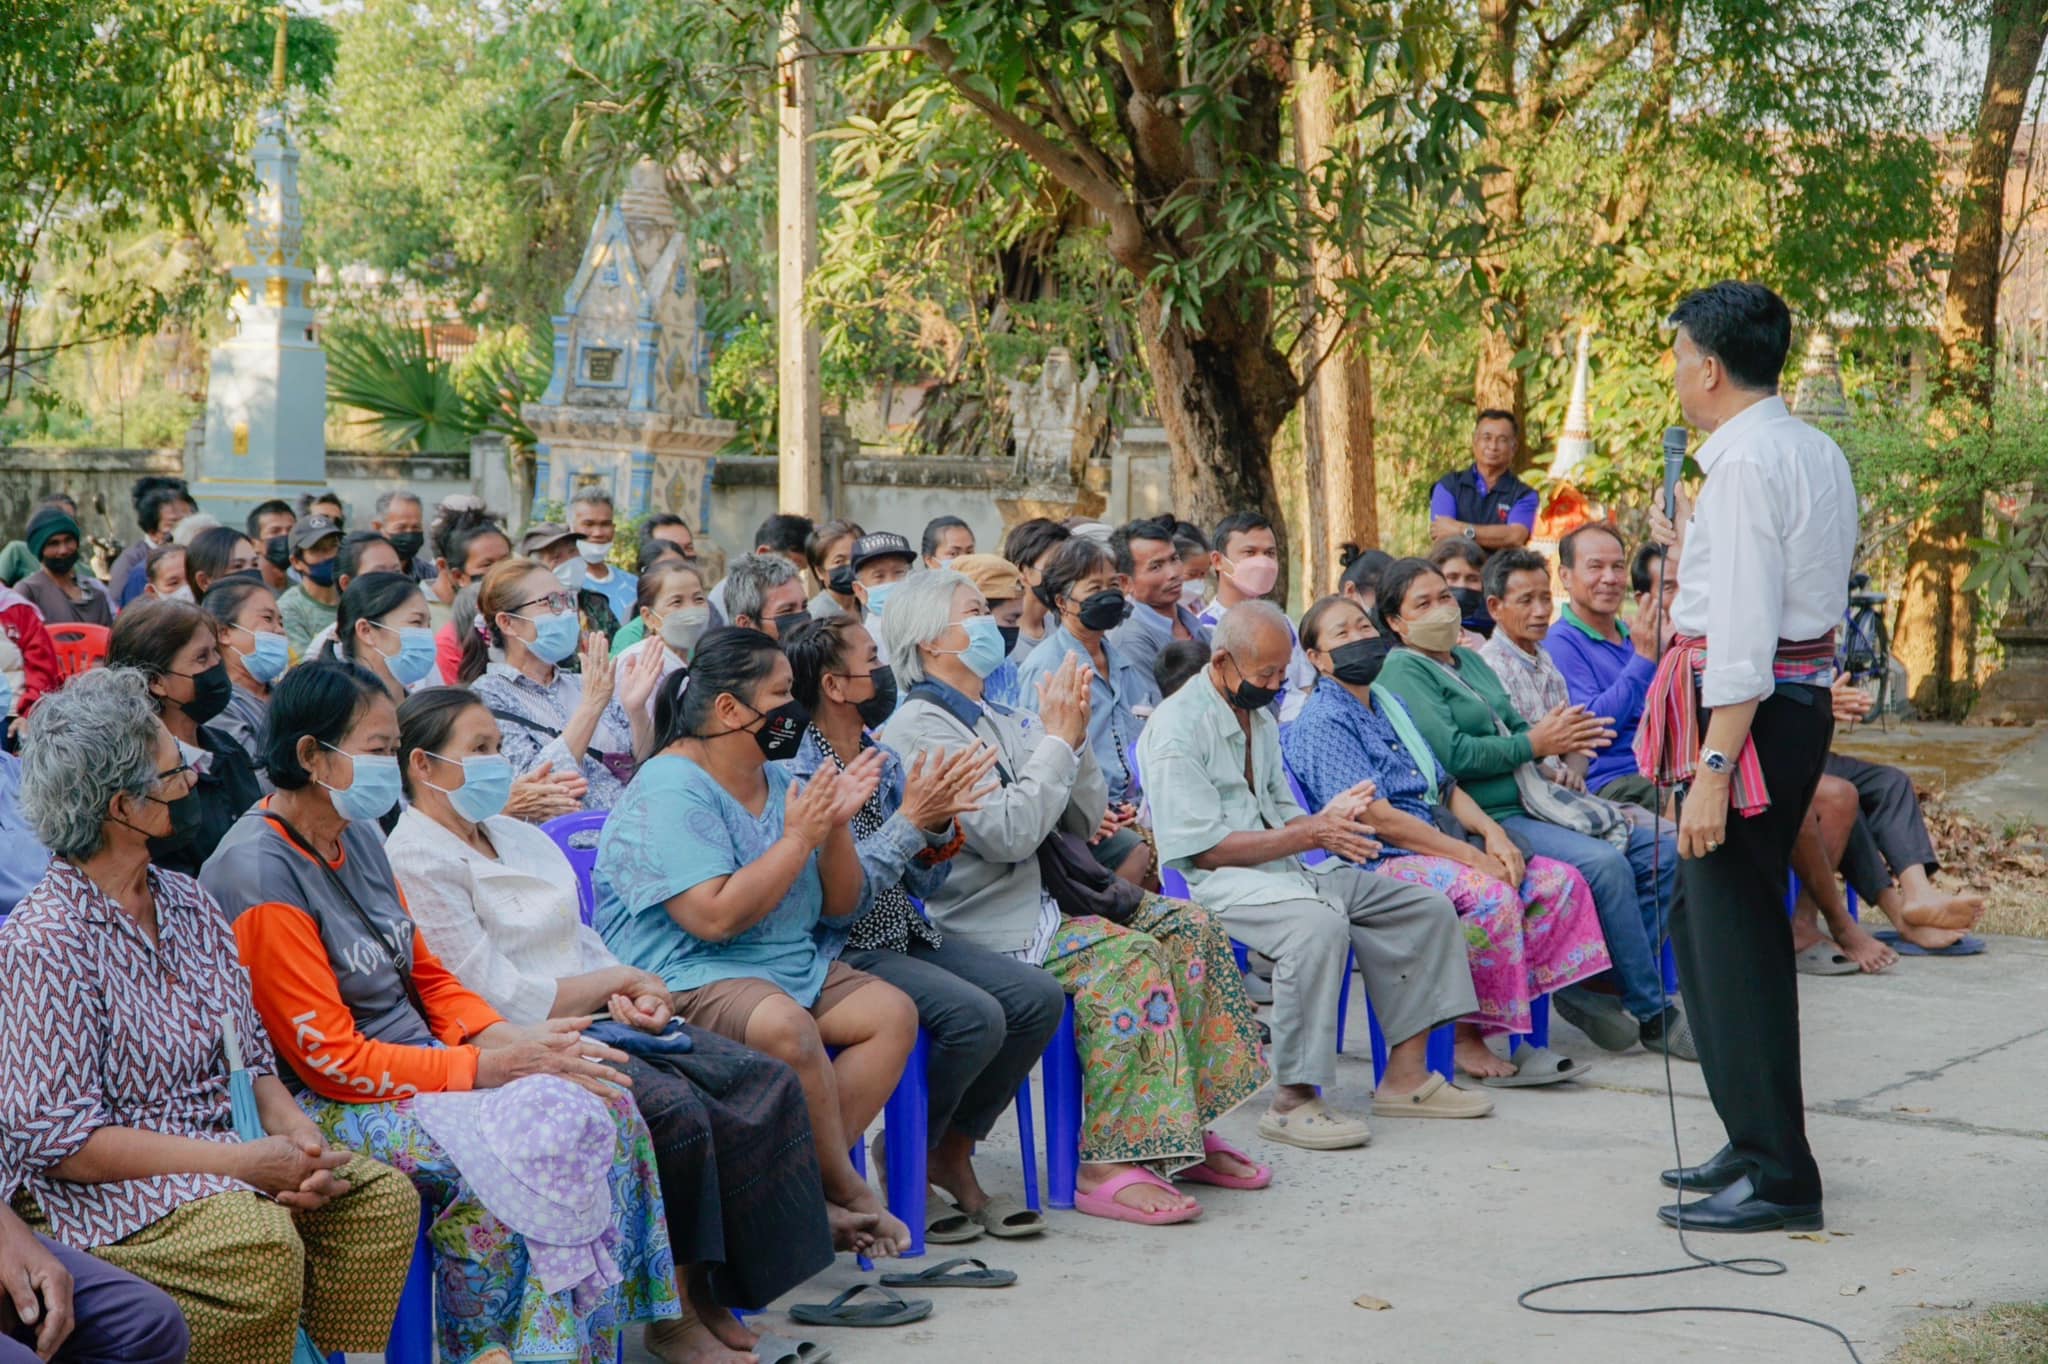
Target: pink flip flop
{"x":1261,"y":1175}
{"x":1101,"y":1201}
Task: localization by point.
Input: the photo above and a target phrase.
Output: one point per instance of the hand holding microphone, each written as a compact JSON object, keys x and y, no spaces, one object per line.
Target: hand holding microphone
{"x":1676,"y":508}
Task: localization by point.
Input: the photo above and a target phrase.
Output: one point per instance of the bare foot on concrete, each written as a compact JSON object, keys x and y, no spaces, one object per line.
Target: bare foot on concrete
{"x":1475,"y":1058}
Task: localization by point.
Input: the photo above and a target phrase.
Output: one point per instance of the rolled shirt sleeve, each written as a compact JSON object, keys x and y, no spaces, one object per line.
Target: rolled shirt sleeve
{"x":1746,"y":582}
{"x":1523,"y":513}
{"x":1442,"y":501}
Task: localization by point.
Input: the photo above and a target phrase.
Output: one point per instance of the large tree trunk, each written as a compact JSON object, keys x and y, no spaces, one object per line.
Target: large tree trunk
{"x":1222,"y":396}
{"x":1336,"y":418}
{"x":1937,"y":627}
{"x":1503,"y":325}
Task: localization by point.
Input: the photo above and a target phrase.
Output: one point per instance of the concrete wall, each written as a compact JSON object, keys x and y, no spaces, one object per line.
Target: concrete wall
{"x":360,"y":475}
{"x":882,"y":490}
{"x":99,"y":479}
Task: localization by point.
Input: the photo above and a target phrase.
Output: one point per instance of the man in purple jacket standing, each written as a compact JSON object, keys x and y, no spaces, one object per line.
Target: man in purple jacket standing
{"x":1607,"y":667}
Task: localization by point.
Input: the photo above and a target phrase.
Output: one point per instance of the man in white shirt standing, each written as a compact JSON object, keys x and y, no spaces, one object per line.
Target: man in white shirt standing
{"x":1740,"y":710}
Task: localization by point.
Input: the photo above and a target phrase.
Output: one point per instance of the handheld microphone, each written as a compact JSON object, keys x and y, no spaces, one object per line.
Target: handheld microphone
{"x":1675,"y":439}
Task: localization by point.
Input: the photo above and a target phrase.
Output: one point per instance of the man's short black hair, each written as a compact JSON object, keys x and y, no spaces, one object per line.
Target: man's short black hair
{"x":1508,"y":562}
{"x":1496,"y":414}
{"x":783,"y":533}
{"x":1028,"y":541}
{"x":1159,"y":529}
{"x":1237,"y":523}
{"x":1744,"y":326}
{"x":263,"y":509}
{"x":1642,"y":569}
{"x":1187,"y":538}
{"x":1568,"y":548}
{"x":151,"y":483}
{"x":1178,"y":662}
{"x":150,"y":514}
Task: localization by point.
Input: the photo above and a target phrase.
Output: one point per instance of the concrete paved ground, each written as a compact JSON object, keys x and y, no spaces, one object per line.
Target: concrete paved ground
{"x":1926,"y":1107}
{"x":1995,"y":775}
{"x":2016,"y":791}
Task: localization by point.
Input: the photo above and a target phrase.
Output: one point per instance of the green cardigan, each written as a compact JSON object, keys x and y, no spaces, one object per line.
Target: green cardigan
{"x":1459,"y":730}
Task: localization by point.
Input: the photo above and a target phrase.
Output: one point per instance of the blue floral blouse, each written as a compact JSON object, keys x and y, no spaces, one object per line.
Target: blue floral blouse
{"x":1335,"y":743}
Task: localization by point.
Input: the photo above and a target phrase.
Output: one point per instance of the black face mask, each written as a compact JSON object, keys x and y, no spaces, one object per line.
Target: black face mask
{"x":408,"y":543}
{"x":1247,"y":697}
{"x":1103,"y":610}
{"x":278,"y":550}
{"x":1011,"y":634}
{"x":186,"y":815}
{"x":1472,"y":605}
{"x":60,"y":564}
{"x":840,"y":580}
{"x":876,"y":710}
{"x":210,"y":692}
{"x":1359,"y":662}
{"x":782,"y":730}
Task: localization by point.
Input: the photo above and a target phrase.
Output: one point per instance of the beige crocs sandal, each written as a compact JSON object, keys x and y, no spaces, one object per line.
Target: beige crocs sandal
{"x":1314,"y":1128}
{"x":1438,"y":1098}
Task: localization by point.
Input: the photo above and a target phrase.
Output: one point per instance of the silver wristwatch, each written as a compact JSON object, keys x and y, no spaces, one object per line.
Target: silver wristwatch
{"x":1471,"y":532}
{"x":1714,"y":760}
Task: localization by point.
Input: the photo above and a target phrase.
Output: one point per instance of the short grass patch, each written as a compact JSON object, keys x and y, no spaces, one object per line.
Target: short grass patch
{"x":2012,"y":1333}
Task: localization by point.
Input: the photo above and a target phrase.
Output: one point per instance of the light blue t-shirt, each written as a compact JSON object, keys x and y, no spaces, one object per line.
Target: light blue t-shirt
{"x":622,"y":590}
{"x":675,"y":828}
{"x":23,"y":860}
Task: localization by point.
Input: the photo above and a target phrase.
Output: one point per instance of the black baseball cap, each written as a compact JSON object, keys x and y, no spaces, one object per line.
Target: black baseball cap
{"x":311,"y":530}
{"x":881,"y":544}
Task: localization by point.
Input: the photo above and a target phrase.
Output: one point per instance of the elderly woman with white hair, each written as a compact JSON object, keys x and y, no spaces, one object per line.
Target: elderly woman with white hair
{"x":117,"y":981}
{"x":1167,"y":1039}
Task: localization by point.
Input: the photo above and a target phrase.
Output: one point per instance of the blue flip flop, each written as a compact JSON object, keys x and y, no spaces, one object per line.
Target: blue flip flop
{"x":1969,"y":945}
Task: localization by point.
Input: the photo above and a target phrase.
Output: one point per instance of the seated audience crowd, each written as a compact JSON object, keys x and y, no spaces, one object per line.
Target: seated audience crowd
{"x":294,"y":946}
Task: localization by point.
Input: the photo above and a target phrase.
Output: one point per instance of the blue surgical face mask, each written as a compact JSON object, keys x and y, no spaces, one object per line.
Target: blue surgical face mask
{"x":486,"y":786}
{"x":984,"y":652}
{"x":269,"y":658}
{"x":415,"y":656}
{"x":371,"y":791}
{"x":878,"y":593}
{"x":555,"y":637}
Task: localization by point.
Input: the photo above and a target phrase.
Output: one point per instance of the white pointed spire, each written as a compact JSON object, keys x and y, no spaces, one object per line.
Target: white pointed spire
{"x":266,"y":394}
{"x":1577,"y":442}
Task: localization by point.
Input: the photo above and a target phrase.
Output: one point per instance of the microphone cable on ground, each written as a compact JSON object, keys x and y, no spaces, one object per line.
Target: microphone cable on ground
{"x":1754,"y":1266}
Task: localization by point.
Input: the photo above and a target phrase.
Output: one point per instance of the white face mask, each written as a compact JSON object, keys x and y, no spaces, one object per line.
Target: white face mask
{"x":182,"y":592}
{"x":593,"y":552}
{"x":1192,"y":592}
{"x":571,"y":574}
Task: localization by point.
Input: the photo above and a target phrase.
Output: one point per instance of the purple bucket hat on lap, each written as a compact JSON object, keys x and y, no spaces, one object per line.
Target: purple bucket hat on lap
{"x":539,"y":1154}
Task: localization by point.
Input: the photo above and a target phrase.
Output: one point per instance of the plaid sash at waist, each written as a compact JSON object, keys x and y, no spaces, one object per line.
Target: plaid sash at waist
{"x":1668,"y":738}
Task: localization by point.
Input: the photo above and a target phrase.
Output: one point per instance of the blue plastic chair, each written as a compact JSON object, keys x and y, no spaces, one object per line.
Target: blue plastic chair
{"x":1060,"y":1072}
{"x":906,"y":1119}
{"x":576,"y":835}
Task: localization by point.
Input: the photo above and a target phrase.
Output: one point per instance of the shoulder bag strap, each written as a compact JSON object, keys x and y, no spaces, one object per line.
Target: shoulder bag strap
{"x":403,"y":965}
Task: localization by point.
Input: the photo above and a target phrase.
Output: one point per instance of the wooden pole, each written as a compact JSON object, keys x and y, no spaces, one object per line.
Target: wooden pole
{"x":1336,"y":412}
{"x":800,"y":468}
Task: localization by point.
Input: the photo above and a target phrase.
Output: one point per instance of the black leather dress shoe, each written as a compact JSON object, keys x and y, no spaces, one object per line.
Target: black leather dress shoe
{"x":1711,"y":1175}
{"x":1737,"y":1208}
